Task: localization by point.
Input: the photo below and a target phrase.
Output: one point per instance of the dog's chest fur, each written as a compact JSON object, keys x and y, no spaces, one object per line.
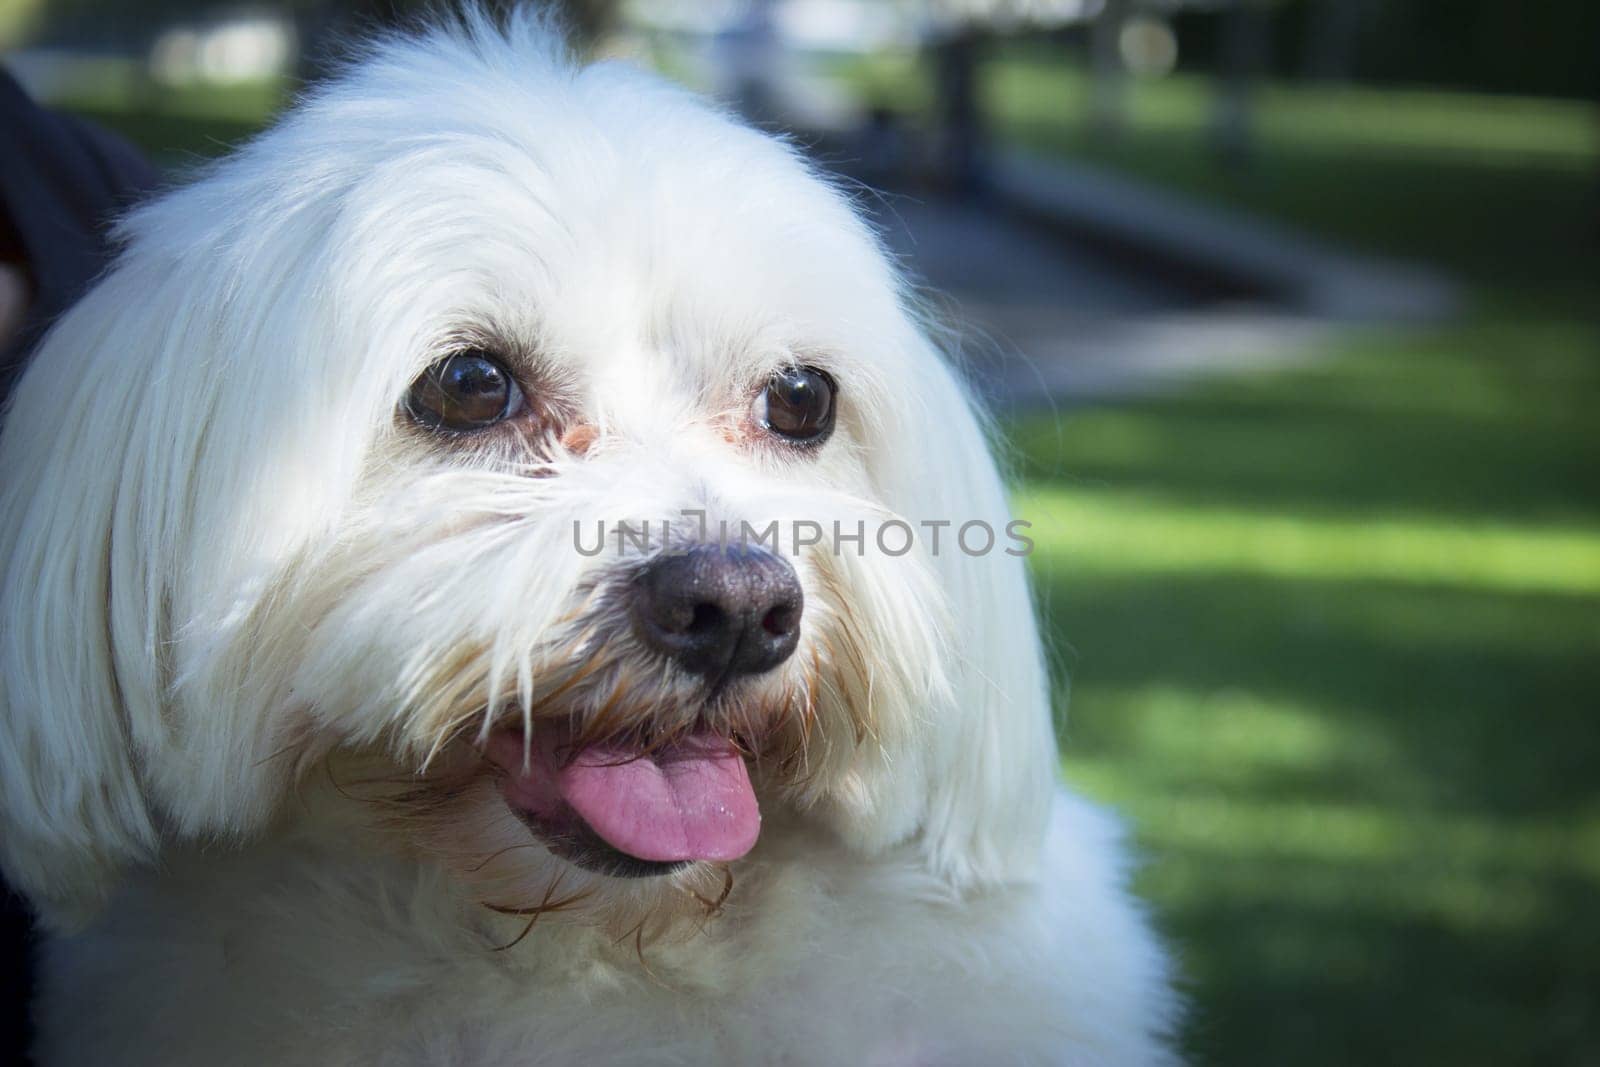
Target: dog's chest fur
{"x":292,"y":953}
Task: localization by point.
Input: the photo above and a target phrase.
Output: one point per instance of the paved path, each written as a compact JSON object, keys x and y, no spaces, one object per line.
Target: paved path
{"x":1048,"y":322}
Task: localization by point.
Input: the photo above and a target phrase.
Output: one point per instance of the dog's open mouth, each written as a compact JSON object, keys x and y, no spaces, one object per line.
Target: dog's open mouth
{"x":629,"y":810}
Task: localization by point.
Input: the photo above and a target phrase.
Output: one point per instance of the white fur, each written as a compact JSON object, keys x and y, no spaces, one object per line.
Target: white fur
{"x":230,"y":565}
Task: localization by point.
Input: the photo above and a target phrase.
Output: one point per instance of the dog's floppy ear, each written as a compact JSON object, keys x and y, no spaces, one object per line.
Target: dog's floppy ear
{"x":990,"y":764}
{"x":71,"y":810}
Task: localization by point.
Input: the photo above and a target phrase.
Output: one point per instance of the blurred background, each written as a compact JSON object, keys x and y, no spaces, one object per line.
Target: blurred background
{"x":1291,"y":310}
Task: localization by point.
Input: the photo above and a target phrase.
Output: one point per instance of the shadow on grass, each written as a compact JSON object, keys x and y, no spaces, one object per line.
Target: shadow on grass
{"x":1393,"y":793}
{"x":1481,"y":701}
{"x":1342,"y":975}
{"x":1367,"y":796}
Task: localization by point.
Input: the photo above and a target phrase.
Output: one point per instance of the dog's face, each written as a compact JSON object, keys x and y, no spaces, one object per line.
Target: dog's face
{"x":513,"y":444}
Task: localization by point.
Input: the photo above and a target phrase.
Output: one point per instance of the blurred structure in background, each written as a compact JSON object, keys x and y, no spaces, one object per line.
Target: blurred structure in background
{"x":1292,"y":312}
{"x":227,"y":49}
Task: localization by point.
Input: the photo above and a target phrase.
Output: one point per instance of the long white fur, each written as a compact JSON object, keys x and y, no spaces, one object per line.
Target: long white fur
{"x":220,"y":543}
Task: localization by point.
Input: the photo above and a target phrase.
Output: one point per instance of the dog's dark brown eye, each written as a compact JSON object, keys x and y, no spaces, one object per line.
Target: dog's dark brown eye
{"x":798,"y":404}
{"x":466,"y":391}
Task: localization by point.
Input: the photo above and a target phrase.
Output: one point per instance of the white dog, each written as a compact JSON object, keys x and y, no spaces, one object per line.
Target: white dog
{"x":333,"y":734}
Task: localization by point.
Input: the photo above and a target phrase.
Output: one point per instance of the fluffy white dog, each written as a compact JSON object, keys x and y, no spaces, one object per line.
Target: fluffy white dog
{"x":334,"y":734}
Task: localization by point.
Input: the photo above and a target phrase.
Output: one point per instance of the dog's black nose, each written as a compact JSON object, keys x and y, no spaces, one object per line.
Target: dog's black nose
{"x":719,"y":610}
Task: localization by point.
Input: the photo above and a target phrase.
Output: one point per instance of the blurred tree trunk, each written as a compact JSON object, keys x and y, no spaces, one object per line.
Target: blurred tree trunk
{"x":1595,"y":220}
{"x":1332,"y":29}
{"x":956,"y":54}
{"x":1244,"y":56}
{"x":1109,"y":88}
{"x":589,"y":20}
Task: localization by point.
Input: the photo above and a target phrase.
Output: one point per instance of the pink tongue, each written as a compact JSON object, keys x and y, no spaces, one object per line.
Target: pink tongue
{"x":691,"y":801}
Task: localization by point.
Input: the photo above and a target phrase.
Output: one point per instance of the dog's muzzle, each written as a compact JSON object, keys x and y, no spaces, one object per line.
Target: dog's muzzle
{"x":630,"y":805}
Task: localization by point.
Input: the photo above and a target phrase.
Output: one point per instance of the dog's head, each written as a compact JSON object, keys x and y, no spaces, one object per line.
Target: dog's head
{"x":551,"y":460}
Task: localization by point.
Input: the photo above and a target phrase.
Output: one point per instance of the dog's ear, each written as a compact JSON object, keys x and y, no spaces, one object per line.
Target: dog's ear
{"x":71,"y":810}
{"x":990,"y":759}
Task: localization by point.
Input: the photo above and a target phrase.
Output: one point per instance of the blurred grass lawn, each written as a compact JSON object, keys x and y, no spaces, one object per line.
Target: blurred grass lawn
{"x":1334,"y":638}
{"x":1334,"y":633}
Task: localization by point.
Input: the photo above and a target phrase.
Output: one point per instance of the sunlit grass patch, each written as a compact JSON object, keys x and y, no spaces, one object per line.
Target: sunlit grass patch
{"x":1182,"y":736}
{"x":1030,"y":83}
{"x":1137,"y":532}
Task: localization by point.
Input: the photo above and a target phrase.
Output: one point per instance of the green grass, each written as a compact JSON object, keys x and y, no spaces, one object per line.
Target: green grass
{"x":1334,"y":641}
{"x":1333,"y":633}
{"x":178,"y":126}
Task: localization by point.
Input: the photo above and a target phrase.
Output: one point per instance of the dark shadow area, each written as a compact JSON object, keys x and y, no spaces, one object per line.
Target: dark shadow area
{"x":1338,"y":983}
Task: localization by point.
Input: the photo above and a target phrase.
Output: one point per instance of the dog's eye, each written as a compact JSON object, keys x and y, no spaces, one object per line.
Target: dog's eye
{"x":462,"y":392}
{"x":797,"y":404}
